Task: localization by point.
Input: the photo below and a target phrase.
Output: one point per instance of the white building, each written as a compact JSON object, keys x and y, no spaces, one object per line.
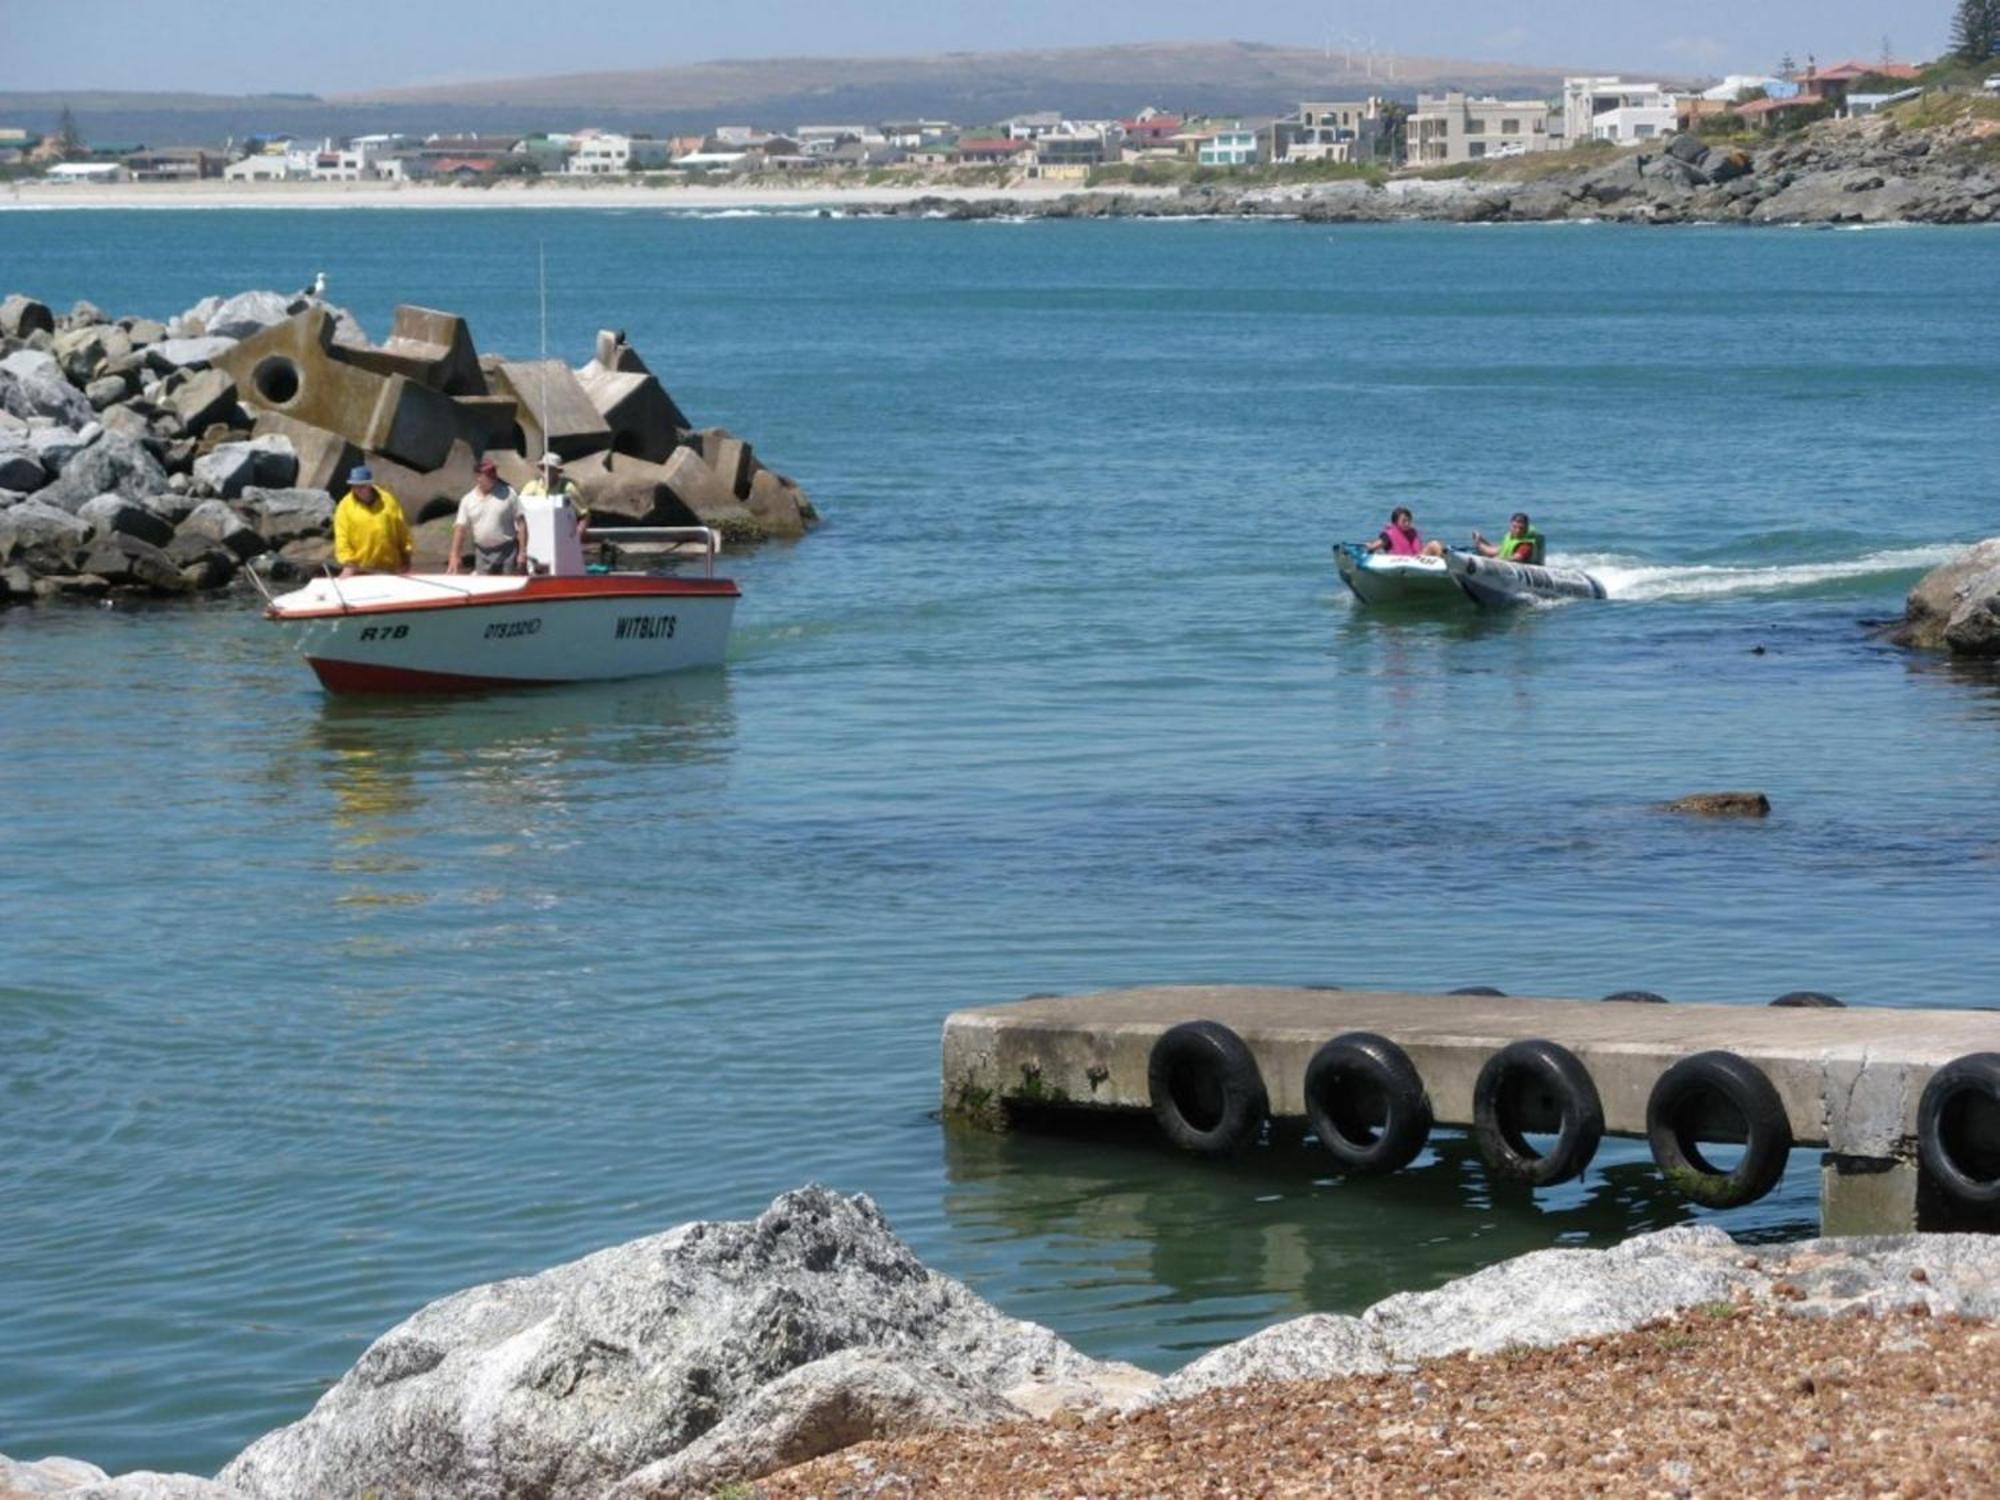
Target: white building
{"x":1736,"y":85}
{"x":1447,"y":129}
{"x":88,"y":171}
{"x":360,"y":160}
{"x":1034,"y":126}
{"x":1232,"y":147}
{"x":607,"y":154}
{"x":1610,"y":109}
{"x":1349,"y":131}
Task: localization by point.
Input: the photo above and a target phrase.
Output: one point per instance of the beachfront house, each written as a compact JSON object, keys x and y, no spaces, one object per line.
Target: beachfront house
{"x":88,"y":171}
{"x":1446,"y":130}
{"x":1032,"y":127}
{"x":1150,"y":132}
{"x":363,"y":159}
{"x":994,"y":151}
{"x":174,"y":164}
{"x":1070,"y":156}
{"x":1234,"y":145}
{"x":1340,"y":131}
{"x":607,"y":153}
{"x":1611,"y":109}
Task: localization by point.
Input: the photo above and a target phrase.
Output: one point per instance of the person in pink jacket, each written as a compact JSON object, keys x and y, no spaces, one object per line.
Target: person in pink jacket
{"x":1400,"y":538}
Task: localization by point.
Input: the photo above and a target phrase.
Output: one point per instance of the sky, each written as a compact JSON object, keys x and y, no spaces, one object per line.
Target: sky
{"x":347,"y":46}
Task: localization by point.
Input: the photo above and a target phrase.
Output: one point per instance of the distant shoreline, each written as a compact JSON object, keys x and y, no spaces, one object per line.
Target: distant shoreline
{"x":572,"y":193}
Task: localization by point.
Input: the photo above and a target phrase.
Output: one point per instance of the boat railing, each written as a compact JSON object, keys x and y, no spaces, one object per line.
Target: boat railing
{"x":708,"y":536}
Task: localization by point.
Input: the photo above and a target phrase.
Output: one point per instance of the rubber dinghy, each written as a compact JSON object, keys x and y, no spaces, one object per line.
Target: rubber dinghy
{"x":1493,"y":584}
{"x":1388,"y":579}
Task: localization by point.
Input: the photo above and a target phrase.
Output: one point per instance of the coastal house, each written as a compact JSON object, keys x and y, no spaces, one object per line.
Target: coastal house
{"x":1234,"y":145}
{"x":994,"y":151}
{"x":1150,"y":130}
{"x":88,"y":171}
{"x":1032,"y":127}
{"x":910,"y":134}
{"x":362,"y":159}
{"x":607,"y":153}
{"x":174,"y":164}
{"x":1069,"y":156}
{"x":1445,"y":130}
{"x":1612,"y":109}
{"x":1342,"y":131}
{"x":1783,"y":114}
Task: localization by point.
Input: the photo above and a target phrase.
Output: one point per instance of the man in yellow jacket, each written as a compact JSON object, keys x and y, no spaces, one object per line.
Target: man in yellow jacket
{"x":369,"y":532}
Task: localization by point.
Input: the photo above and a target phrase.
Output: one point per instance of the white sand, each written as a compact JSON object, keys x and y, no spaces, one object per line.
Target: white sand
{"x":547,"y":193}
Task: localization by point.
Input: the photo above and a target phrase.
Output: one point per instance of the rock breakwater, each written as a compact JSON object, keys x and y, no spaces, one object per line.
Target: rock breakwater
{"x":718,"y":1353}
{"x":166,"y":457}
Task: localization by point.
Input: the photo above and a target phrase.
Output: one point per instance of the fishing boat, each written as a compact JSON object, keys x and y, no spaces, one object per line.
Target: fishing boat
{"x":560,"y":622}
{"x":1494,"y":584}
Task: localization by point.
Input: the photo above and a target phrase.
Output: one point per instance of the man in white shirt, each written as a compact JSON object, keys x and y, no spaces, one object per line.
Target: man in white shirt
{"x":491,"y":513}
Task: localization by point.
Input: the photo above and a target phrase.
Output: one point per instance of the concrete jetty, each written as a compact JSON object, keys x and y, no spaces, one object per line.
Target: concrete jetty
{"x":1850,"y":1079}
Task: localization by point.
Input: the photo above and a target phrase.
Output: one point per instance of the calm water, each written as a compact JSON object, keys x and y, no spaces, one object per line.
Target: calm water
{"x":311,"y":1011}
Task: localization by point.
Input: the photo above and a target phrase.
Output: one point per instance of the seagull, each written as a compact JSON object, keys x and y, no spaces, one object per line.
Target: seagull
{"x":318,"y":287}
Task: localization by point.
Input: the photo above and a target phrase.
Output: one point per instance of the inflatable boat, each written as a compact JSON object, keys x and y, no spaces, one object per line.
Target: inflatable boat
{"x":1384,"y":578}
{"x":1493,"y":584}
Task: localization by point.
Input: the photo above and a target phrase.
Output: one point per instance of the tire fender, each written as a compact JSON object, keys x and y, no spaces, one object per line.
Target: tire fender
{"x":1673,"y":1115}
{"x":1205,"y":1088}
{"x":1366,"y":1103}
{"x":1958,"y":1129}
{"x":1552,"y":1078}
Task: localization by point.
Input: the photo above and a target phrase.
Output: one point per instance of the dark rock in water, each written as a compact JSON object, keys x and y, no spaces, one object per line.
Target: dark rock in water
{"x":212,"y":523}
{"x":729,"y":1347}
{"x":114,"y":513}
{"x":114,"y":464}
{"x":128,"y":562}
{"x":41,"y":537}
{"x":204,"y":565}
{"x":22,"y":315}
{"x":1723,"y":805}
{"x":1964,"y":581}
{"x":1974,"y":627}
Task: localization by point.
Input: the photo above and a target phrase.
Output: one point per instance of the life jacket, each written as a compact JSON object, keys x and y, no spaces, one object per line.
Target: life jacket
{"x":1401,"y":543}
{"x":1528,"y":546}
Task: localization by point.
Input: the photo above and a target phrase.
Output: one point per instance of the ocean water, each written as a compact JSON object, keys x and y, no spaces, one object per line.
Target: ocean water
{"x":312,"y":1010}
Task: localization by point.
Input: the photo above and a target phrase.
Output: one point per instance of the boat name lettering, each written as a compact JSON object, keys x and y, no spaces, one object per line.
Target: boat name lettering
{"x":646,"y":627}
{"x":507,"y":630}
{"x":384,"y":632}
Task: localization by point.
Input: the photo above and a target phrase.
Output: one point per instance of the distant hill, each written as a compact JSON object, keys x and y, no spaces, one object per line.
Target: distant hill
{"x":971,"y":88}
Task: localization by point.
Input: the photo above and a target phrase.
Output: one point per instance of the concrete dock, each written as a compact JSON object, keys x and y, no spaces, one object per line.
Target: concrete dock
{"x":1850,"y":1079}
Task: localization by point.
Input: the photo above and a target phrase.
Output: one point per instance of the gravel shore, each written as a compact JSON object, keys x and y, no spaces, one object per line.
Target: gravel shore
{"x":1721,"y":1400}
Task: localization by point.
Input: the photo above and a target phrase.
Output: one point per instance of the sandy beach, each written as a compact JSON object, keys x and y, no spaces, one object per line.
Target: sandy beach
{"x":577,"y":192}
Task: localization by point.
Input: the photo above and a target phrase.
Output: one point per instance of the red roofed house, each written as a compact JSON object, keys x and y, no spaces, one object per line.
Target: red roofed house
{"x":994,"y":152}
{"x":1152,"y":131}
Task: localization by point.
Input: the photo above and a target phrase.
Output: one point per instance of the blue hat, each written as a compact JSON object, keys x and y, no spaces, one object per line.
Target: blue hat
{"x":361,"y":474}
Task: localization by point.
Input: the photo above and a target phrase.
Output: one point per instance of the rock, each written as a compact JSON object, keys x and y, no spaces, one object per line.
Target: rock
{"x":269,"y":462}
{"x":204,"y":564}
{"x":48,"y":1476}
{"x":1974,"y":627}
{"x":36,"y":362}
{"x":21,"y":470}
{"x":101,"y":392}
{"x":1722,"y":805}
{"x":29,"y":396}
{"x":80,"y":352}
{"x":212,"y":523}
{"x":127,"y":561}
{"x":847,"y":1398}
{"x":1687,"y":147}
{"x":114,"y":513}
{"x":22,"y":315}
{"x":126,"y":422}
{"x":208,"y":396}
{"x":194,"y":322}
{"x":282,"y":516}
{"x":780,"y":506}
{"x":567,"y":1383}
{"x":56,"y":446}
{"x":1316,"y":1347}
{"x":1938,"y":594}
{"x":114,"y":464}
{"x":82,"y":314}
{"x":246,"y":313}
{"x":180,"y":353}
{"x":41,"y":537}
{"x":1726,"y":166}
{"x":144,"y":331}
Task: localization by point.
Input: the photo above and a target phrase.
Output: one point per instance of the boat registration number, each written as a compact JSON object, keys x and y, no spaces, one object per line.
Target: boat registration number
{"x":507,"y":630}
{"x":384,"y":632}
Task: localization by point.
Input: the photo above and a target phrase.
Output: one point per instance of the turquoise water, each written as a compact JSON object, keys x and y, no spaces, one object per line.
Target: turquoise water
{"x":311,"y":1011}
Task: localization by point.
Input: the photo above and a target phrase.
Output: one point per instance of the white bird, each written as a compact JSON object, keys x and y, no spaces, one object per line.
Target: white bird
{"x":318,"y":287}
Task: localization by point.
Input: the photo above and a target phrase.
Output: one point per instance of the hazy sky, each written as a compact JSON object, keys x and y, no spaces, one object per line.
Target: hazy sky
{"x":336,"y":46}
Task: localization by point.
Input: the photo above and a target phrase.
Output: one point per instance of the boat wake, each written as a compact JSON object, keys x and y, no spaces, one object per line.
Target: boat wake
{"x":1629,"y":578}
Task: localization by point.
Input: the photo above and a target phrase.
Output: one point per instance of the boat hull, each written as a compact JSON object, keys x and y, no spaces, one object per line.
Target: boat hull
{"x":1389,"y":581}
{"x":432,"y":634}
{"x":1493,"y":584}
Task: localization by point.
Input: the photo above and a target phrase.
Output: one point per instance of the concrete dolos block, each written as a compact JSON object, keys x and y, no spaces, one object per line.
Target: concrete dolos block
{"x":292,"y":369}
{"x":324,"y":457}
{"x":431,"y":347}
{"x":426,"y":493}
{"x":644,"y":421}
{"x":555,"y":413}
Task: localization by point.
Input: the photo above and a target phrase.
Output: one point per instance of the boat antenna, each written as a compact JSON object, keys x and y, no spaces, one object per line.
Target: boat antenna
{"x":542,"y":286}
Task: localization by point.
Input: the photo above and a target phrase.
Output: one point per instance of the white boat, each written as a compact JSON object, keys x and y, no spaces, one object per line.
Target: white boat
{"x":1489,"y":582}
{"x":1385,"y":578}
{"x":442,"y":632}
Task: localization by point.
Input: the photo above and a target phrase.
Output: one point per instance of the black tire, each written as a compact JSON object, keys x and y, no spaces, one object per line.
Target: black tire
{"x":1207,"y":1093}
{"x":1479,"y":989}
{"x":1637,"y":997}
{"x":1958,"y":1129}
{"x":1366,"y":1102}
{"x":1523,"y":1084}
{"x":1673,"y":1114}
{"x":1810,"y":1000}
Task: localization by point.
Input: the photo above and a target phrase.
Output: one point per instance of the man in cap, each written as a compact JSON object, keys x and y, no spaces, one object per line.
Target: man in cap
{"x":491,"y":513}
{"x":369,"y":532}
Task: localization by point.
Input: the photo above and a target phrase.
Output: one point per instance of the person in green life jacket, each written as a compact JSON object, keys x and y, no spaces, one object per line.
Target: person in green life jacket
{"x":1521,"y":544}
